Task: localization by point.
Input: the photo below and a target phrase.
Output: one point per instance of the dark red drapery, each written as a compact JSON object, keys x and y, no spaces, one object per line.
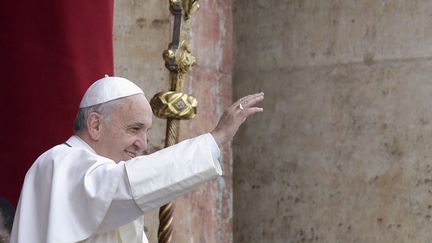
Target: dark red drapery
{"x":50,"y":52}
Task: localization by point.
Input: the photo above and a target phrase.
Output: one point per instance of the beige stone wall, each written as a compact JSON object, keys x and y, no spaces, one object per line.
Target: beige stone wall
{"x":142,"y":31}
{"x":343,"y":150}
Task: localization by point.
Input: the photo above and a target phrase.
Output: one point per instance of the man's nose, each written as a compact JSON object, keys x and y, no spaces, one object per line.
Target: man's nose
{"x":141,"y":143}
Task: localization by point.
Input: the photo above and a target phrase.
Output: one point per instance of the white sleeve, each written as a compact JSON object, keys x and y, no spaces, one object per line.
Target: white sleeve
{"x":158,"y":178}
{"x":214,"y":147}
{"x":123,"y":208}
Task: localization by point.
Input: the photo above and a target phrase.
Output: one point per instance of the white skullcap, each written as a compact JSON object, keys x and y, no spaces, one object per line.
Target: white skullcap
{"x":107,"y":89}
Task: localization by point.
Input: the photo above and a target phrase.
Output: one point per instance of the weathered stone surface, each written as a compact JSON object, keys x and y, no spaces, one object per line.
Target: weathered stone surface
{"x":209,"y":208}
{"x":280,"y":33}
{"x":343,"y":151}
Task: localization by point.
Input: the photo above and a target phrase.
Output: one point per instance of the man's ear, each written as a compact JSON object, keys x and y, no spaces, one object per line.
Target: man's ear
{"x":94,"y":125}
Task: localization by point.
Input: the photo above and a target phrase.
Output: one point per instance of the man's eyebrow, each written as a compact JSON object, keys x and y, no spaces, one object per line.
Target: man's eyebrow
{"x":136,"y":124}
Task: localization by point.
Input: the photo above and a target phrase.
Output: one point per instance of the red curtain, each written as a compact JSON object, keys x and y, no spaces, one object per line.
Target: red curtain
{"x":50,"y":52}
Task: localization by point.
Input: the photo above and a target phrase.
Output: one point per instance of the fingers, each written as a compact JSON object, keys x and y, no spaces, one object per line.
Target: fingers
{"x":246,"y":105}
{"x":253,"y":110}
{"x":252,"y":101}
{"x":235,"y":115}
{"x":248,"y":101}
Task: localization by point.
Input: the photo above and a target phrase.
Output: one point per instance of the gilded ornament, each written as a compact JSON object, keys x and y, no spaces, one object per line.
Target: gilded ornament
{"x":175,"y":3}
{"x":189,"y":7}
{"x":174,"y":105}
{"x":170,"y":60}
{"x":184,"y":57}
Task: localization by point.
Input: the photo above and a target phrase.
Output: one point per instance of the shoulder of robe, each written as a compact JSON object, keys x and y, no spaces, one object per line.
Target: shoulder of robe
{"x":62,"y":156}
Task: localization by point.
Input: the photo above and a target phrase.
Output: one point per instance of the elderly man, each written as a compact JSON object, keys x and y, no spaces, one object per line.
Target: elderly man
{"x":96,"y":187}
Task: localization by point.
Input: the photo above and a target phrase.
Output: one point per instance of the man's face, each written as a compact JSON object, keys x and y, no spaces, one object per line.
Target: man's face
{"x":123,"y":133}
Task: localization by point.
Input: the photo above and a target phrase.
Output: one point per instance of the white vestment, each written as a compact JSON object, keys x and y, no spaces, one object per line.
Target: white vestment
{"x":71,"y":194}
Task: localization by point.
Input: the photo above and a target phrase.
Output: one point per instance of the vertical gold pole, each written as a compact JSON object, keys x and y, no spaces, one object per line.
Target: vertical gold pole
{"x":178,"y":60}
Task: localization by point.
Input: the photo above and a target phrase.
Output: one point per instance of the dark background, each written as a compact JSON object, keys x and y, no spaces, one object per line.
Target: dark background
{"x":50,"y":52}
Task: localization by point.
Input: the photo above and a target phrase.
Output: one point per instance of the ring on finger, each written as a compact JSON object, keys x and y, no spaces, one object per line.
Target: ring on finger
{"x":241,"y":107}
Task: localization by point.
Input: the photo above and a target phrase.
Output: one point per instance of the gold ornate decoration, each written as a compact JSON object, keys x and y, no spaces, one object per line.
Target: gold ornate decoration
{"x":184,"y":57}
{"x":189,"y":7}
{"x":174,"y":104}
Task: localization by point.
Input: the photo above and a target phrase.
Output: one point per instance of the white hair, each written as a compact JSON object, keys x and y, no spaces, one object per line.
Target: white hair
{"x":104,"y":109}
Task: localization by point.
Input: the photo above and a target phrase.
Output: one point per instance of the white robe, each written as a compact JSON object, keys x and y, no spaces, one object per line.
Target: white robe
{"x":71,"y":194}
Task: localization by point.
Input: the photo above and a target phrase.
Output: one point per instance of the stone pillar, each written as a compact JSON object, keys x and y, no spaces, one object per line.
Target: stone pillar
{"x":343,"y":150}
{"x":142,"y":31}
{"x":207,"y":211}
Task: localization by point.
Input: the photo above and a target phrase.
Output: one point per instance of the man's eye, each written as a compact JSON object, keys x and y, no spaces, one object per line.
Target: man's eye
{"x":134,"y":129}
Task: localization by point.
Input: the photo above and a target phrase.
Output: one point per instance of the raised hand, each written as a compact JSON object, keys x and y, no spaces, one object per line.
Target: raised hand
{"x":234,"y":116}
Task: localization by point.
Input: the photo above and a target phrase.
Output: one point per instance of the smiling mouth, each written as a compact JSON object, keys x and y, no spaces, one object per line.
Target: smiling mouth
{"x":131,"y":154}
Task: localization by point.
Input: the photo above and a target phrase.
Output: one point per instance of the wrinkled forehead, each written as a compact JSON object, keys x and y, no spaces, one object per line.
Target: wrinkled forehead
{"x":133,"y":108}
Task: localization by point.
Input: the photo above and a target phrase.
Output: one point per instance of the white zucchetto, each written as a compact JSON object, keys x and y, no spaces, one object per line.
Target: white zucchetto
{"x":107,"y":89}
